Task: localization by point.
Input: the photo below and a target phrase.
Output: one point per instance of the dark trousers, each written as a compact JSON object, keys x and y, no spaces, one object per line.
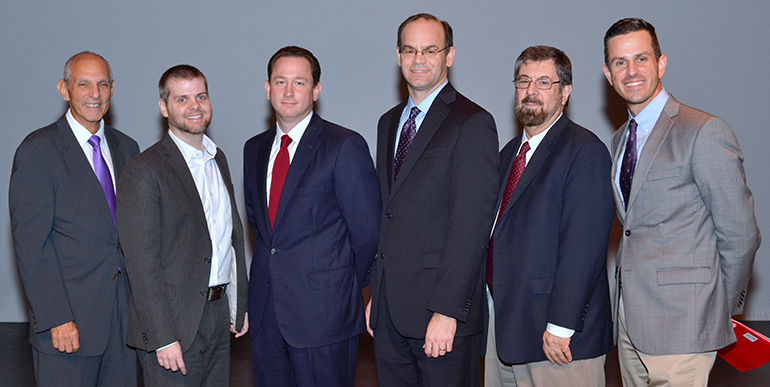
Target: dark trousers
{"x":116,"y":367}
{"x":276,"y":364}
{"x":401,"y":361}
{"x":208,"y":358}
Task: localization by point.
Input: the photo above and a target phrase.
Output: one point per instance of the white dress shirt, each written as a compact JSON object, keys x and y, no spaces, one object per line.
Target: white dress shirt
{"x":82,"y":135}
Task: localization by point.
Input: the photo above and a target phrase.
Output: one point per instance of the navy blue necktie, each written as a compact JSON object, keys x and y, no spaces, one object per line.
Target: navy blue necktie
{"x":407,"y":136}
{"x":629,"y":163}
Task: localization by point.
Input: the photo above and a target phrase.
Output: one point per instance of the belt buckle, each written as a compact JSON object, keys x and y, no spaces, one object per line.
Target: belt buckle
{"x":216,"y":292}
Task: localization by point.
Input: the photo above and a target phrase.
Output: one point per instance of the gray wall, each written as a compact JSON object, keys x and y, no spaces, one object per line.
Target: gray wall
{"x":718,"y":56}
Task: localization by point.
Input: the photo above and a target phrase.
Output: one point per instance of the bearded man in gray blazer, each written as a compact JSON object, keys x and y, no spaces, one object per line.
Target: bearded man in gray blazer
{"x":689,"y":232}
{"x":183,"y":243}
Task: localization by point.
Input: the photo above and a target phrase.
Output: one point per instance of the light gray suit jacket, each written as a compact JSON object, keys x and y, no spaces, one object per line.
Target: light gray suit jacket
{"x":689,"y":234}
{"x":167,"y":246}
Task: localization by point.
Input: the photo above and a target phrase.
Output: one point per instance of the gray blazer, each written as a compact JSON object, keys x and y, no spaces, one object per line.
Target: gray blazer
{"x":65,"y":238}
{"x":689,"y":234}
{"x":167,"y":246}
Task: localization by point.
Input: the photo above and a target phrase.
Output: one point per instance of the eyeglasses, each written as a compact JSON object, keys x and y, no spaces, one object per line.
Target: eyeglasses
{"x":542,"y":83}
{"x":426,"y":53}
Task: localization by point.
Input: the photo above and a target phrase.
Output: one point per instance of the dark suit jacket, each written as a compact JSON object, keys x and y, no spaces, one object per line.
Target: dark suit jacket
{"x":437,"y":216}
{"x":317,"y":256}
{"x":166,"y":242}
{"x":550,"y":247}
{"x":689,"y":237}
{"x":65,"y":239}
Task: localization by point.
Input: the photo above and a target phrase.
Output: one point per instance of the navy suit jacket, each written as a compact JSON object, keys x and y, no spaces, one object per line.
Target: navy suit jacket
{"x":64,"y":235}
{"x":317,"y":256}
{"x":550,"y":247}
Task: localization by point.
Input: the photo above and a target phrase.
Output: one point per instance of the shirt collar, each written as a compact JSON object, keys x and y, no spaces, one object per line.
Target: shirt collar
{"x":190,"y":153}
{"x":296,"y":132}
{"x":647,"y":118}
{"x":81,"y":133}
{"x":538,"y":138}
{"x":428,"y":101}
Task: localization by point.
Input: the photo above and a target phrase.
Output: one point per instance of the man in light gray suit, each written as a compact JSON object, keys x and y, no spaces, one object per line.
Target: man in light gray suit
{"x":183,"y":243}
{"x":689,"y":232}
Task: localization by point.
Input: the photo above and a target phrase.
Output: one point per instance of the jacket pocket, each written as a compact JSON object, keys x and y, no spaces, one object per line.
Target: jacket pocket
{"x":542,"y":285}
{"x":330,"y":278}
{"x":684,"y":275}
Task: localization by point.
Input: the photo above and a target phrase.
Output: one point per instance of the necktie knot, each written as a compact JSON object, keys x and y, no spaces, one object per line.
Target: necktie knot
{"x":524,"y":148}
{"x":285,"y":141}
{"x":414,"y":112}
{"x":632,"y":126}
{"x":94,"y":141}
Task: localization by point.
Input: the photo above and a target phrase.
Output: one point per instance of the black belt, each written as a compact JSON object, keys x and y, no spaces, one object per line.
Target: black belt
{"x":216,"y":292}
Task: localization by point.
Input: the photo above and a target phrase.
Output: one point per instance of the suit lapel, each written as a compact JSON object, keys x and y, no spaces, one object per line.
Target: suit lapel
{"x":260,"y":205}
{"x":78,"y":163}
{"x":617,"y":157}
{"x":437,"y":112}
{"x":118,"y":158}
{"x":391,"y":148}
{"x":652,"y":147}
{"x":179,"y":166}
{"x":307,"y":146}
{"x":542,"y":153}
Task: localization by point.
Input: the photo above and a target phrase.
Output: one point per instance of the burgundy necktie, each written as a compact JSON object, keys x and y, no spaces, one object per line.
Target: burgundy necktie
{"x":513,"y":178}
{"x":407,"y":136}
{"x":103,"y":174}
{"x":629,"y":163}
{"x":280,"y":170}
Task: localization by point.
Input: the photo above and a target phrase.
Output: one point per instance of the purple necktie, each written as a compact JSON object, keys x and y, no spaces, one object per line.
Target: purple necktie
{"x":103,"y":174}
{"x":629,"y":163}
{"x":407,"y":135}
{"x":519,"y":163}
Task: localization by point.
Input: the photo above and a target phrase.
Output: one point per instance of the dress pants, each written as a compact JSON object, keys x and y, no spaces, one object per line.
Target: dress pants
{"x":276,"y":364}
{"x":401,"y":361}
{"x":208,"y":358}
{"x":578,"y":373}
{"x":115,"y":368}
{"x":638,"y":369}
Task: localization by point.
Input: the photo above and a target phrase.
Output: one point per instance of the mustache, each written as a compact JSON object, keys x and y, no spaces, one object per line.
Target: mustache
{"x":531,"y":99}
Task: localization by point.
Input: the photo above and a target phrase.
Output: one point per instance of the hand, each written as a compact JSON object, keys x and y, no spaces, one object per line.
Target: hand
{"x":368,"y":313}
{"x":244,"y":328}
{"x":557,"y":349}
{"x":440,"y":335}
{"x":66,"y":337}
{"x":170,"y":358}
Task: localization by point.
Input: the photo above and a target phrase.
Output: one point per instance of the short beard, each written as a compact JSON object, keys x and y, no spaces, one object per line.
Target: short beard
{"x":187,"y":129}
{"x":530,"y":117}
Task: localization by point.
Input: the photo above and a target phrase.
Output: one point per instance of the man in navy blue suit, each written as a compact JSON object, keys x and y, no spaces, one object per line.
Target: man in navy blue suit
{"x":313,"y":203}
{"x":549,"y":320}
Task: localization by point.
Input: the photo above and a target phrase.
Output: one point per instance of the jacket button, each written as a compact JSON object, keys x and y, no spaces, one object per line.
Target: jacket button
{"x":114,"y":277}
{"x":267,"y":281}
{"x":118,"y":245}
{"x":207,"y":260}
{"x":203,"y":292}
{"x":388,"y":215}
{"x":628,"y":232}
{"x":272,"y":251}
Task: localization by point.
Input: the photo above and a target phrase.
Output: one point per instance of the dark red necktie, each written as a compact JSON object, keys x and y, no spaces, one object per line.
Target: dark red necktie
{"x":280,"y":170}
{"x":513,"y":178}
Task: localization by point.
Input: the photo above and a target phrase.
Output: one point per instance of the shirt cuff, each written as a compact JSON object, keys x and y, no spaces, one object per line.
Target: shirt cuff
{"x":564,"y":333}
{"x":165,"y":346}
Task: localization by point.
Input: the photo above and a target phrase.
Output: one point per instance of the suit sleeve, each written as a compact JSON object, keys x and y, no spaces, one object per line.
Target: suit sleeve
{"x":138,"y":203}
{"x":31,"y":198}
{"x":358,"y":198}
{"x":717,"y":164}
{"x":472,"y":196}
{"x":584,"y":230}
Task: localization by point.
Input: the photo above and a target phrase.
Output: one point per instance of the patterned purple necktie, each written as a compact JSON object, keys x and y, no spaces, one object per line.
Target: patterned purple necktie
{"x":519,"y":163}
{"x":407,"y":136}
{"x":103,"y":174}
{"x":629,"y":163}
